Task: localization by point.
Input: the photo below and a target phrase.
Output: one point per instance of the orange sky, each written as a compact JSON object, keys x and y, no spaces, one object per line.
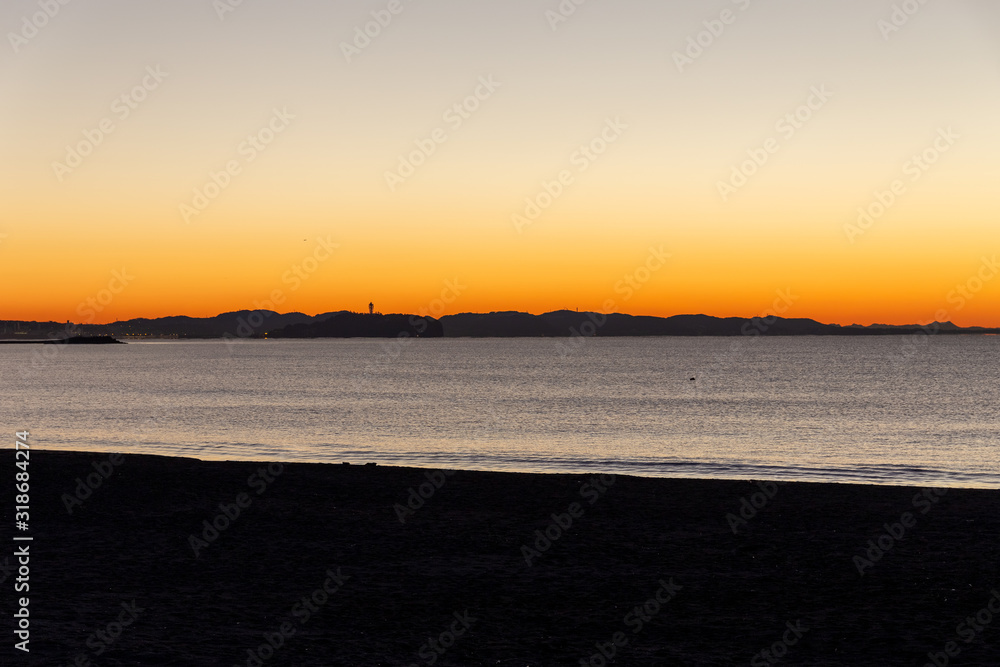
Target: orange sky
{"x":232,"y":161}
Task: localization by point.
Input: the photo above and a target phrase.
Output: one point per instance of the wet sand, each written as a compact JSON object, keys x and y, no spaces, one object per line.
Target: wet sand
{"x":648,"y":571}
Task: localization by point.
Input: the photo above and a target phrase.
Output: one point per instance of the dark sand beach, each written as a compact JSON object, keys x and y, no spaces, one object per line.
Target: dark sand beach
{"x":319,"y":563}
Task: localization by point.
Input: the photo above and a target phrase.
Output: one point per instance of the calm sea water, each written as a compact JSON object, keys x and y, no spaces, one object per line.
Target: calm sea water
{"x":887,"y":410}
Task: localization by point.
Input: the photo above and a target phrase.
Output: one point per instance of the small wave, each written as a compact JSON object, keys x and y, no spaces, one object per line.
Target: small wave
{"x":883,"y":474}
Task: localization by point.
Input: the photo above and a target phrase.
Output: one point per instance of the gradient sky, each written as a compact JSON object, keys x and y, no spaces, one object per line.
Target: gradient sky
{"x":62,"y":235}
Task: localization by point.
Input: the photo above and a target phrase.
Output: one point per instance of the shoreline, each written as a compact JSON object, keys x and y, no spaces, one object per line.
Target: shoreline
{"x":239,"y":339}
{"x":354,"y":564}
{"x":668,"y":470}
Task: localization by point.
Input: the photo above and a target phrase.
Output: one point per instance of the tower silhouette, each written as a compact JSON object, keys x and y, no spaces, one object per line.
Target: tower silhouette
{"x":371,"y":308}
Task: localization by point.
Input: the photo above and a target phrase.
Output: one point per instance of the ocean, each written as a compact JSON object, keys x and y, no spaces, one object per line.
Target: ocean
{"x":913,"y":410}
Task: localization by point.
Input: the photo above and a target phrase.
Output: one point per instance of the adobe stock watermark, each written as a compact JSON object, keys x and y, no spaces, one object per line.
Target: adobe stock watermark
{"x":582,"y":158}
{"x":223,"y":7}
{"x":419,"y":495}
{"x":31,"y":25}
{"x":914,"y":168}
{"x":958,"y":298}
{"x":88,"y":309}
{"x":103,"y":639}
{"x":248,"y":150}
{"x":967,"y":631}
{"x":393,"y":349}
{"x":965,"y":292}
{"x":751,"y":331}
{"x":92,"y":305}
{"x":85,"y":487}
{"x":294,"y":277}
{"x":636,"y":619}
{"x":773,"y":654}
{"x":885,"y":542}
{"x":591,"y":491}
{"x":627,"y":287}
{"x":121,"y":108}
{"x":562,"y":13}
{"x":787,"y":126}
{"x":758,"y":326}
{"x":456,"y":116}
{"x":302,"y":611}
{"x":435,"y":647}
{"x":700,"y":42}
{"x":104,"y":469}
{"x":363,"y":35}
{"x":749,"y":507}
{"x":900,"y":16}
{"x":229,"y":513}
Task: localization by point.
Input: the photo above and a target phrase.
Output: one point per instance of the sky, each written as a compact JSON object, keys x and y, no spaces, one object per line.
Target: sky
{"x":839,"y":159}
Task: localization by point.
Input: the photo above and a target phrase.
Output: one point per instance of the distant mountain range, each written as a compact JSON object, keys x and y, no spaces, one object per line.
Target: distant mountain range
{"x":344,"y":324}
{"x":572,"y":323}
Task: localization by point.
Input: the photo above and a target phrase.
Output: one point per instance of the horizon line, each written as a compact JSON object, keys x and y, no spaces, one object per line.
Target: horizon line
{"x":492,"y":312}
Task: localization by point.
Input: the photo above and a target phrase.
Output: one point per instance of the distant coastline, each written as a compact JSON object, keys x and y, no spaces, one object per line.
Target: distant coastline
{"x":260,"y":324}
{"x":71,"y":340}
